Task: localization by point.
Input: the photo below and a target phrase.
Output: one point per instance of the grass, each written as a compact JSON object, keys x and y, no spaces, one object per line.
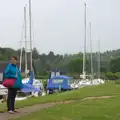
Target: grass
{"x":106,"y":109}
{"x":107,"y":89}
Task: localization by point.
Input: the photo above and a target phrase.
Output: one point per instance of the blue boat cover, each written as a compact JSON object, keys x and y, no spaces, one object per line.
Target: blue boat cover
{"x":59,"y":81}
{"x":28,"y":87}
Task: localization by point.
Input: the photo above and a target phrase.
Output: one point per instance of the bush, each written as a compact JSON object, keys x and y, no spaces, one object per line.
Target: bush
{"x":112,"y":76}
{"x":41,"y":77}
{"x":74,"y":75}
{"x":117,"y":81}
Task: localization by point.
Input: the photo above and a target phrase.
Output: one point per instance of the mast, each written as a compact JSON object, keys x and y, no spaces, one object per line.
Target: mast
{"x":98,"y":59}
{"x":21,"y":48}
{"x":20,"y":54}
{"x":25,"y":41}
{"x":84,"y":54}
{"x":91,"y":54}
{"x":31,"y":68}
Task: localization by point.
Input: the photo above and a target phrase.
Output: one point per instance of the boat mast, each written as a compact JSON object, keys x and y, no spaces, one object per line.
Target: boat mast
{"x":20,"y":54}
{"x":84,"y":54}
{"x":91,"y":53}
{"x":31,"y":68}
{"x":21,"y":47}
{"x":25,"y":36}
{"x":98,"y":59}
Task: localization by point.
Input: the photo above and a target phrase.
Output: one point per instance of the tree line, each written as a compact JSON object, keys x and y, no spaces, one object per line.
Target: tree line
{"x":71,"y":64}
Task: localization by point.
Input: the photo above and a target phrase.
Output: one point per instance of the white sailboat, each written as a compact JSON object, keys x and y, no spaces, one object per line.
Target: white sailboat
{"x":95,"y":81}
{"x":84,"y":54}
{"x":98,"y":80}
{"x":84,"y":80}
{"x":36,"y":83}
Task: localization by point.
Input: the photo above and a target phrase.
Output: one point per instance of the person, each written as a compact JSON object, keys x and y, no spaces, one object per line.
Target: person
{"x":12,"y":71}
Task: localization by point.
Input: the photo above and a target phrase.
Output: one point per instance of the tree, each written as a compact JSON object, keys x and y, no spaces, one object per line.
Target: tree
{"x":75,"y":66}
{"x":115,"y":65}
{"x":35,"y":53}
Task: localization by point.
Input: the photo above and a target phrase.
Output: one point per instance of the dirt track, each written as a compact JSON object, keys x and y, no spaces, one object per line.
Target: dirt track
{"x":24,"y":111}
{"x":29,"y":109}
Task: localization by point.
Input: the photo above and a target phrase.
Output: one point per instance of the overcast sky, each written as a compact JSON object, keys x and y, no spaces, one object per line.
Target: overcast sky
{"x":58,"y":25}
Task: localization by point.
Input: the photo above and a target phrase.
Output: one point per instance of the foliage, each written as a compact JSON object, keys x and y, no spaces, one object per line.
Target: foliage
{"x":41,"y":77}
{"x":115,"y":65}
{"x":75,"y":65}
{"x":117,"y":82}
{"x":112,"y":76}
{"x":69,"y":63}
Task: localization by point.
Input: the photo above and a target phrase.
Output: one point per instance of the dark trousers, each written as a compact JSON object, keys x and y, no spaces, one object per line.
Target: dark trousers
{"x":12,"y":92}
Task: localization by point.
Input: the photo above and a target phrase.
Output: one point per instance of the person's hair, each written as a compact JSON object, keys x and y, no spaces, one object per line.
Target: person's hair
{"x":15,"y":57}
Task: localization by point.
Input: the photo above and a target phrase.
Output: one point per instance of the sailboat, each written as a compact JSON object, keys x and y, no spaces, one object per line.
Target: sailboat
{"x":95,"y":81}
{"x":36,"y":83}
{"x":84,"y":54}
{"x":84,"y":80}
{"x":98,"y":80}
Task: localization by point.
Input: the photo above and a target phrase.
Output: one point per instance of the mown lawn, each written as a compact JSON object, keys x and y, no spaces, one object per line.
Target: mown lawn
{"x":100,"y":109}
{"x":107,"y":89}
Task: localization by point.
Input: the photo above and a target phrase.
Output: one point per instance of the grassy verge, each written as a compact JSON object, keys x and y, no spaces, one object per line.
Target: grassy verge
{"x":100,"y":109}
{"x":104,"y":109}
{"x":107,"y":89}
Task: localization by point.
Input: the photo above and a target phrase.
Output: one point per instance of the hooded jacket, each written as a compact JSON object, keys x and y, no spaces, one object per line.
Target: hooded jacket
{"x":12,"y":71}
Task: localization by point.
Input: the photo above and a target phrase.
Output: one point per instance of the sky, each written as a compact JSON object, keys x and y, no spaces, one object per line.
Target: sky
{"x":58,"y":25}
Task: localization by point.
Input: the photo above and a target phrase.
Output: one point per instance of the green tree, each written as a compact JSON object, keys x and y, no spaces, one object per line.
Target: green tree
{"x":75,"y":66}
{"x":115,"y":65}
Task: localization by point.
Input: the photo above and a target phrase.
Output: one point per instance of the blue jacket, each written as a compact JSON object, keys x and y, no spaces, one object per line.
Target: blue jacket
{"x":12,"y":71}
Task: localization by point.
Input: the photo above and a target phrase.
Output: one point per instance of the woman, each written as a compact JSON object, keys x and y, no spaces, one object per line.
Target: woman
{"x":13,"y":72}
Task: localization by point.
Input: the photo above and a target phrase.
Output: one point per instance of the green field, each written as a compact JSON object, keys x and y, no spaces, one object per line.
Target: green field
{"x":106,"y":109}
{"x":107,"y":89}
